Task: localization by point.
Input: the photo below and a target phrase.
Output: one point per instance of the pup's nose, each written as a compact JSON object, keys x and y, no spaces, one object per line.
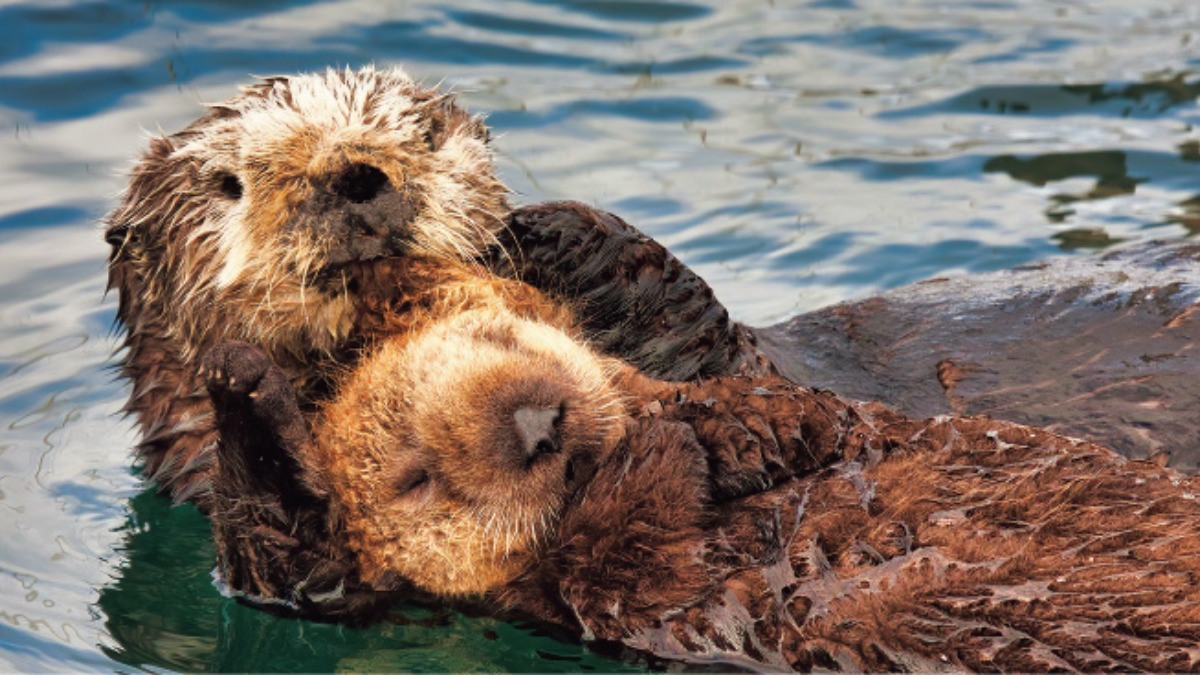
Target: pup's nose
{"x":360,"y":183}
{"x":538,"y":430}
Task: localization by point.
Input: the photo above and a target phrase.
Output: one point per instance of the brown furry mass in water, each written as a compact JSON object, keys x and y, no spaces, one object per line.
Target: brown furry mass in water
{"x":487,"y":456}
{"x":385,"y":417}
{"x":268,"y":221}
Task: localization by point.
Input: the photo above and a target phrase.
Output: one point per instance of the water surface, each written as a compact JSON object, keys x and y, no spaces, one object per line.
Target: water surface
{"x":795,"y":153}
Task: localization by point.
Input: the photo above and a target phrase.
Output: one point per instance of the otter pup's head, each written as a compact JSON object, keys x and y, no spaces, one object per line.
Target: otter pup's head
{"x":245,"y":222}
{"x":449,"y":454}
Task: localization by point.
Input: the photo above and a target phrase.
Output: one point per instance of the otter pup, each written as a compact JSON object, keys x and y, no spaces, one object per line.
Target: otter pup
{"x":272,"y":219}
{"x":286,"y":544}
{"x":744,"y":521}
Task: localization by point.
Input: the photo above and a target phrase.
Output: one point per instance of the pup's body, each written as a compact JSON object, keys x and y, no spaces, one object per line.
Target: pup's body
{"x":741,"y":521}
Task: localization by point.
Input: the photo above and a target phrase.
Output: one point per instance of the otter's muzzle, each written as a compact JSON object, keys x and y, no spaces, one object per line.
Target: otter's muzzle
{"x":537,"y":428}
{"x":357,"y":214}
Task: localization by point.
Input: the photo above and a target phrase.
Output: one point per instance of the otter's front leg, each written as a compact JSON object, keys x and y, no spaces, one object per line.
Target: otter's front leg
{"x":260,"y":507}
{"x":262,"y":430}
{"x":633,"y":298}
{"x":271,"y":530}
{"x":759,"y":432}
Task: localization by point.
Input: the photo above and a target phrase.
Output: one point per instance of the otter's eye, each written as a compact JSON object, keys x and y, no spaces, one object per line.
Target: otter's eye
{"x":229,"y":185}
{"x":412,"y":482}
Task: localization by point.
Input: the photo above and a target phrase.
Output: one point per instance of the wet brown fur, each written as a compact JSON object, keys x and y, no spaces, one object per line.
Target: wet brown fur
{"x":737,"y":520}
{"x":262,"y":251}
{"x":960,"y":543}
{"x":751,"y":522}
{"x":196,"y":261}
{"x":230,"y":230}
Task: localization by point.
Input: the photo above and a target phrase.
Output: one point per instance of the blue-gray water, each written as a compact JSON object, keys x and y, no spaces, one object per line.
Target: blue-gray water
{"x":795,"y":153}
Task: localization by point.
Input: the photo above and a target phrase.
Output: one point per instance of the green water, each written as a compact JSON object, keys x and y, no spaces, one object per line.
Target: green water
{"x":794,"y":153}
{"x":164,"y":611}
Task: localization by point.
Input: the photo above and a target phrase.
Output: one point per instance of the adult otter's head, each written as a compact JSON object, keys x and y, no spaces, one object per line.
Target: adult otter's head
{"x":449,"y":454}
{"x":245,"y":223}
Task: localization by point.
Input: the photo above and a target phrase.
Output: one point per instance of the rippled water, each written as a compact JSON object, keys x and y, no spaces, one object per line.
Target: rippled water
{"x":795,"y":153}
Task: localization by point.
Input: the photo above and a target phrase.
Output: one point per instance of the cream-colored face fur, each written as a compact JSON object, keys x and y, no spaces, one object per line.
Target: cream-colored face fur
{"x":422,"y":454}
{"x":241,"y":221}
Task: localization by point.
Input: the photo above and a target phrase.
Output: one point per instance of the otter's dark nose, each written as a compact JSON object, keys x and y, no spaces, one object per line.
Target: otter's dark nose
{"x":538,"y":430}
{"x":360,"y":183}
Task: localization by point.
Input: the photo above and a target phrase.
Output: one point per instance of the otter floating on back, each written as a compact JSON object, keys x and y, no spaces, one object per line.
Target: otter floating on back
{"x":226,"y":232}
{"x":742,"y":521}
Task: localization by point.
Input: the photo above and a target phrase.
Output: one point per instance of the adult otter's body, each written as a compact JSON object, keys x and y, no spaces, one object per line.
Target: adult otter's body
{"x":1101,"y":347}
{"x":486,"y":456}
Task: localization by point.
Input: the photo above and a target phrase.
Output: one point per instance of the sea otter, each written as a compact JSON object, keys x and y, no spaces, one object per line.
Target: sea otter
{"x":267,"y":220}
{"x":487,"y":456}
{"x":284,"y":218}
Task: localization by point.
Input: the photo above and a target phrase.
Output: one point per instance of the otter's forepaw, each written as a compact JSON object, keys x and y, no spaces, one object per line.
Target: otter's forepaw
{"x":240,"y":375}
{"x":253,"y":399}
{"x":234,"y":368}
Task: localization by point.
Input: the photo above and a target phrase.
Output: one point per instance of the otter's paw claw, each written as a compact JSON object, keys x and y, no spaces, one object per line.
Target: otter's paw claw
{"x":250,"y":394}
{"x":234,"y":368}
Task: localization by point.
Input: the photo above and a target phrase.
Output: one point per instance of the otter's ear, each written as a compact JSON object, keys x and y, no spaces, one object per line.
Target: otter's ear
{"x":116,"y":235}
{"x":124,"y":227}
{"x":446,"y":118}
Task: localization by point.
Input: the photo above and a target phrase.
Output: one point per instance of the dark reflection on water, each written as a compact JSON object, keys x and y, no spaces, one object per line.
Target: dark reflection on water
{"x":1107,"y":171}
{"x":48,"y":216}
{"x":1085,"y":238}
{"x":695,"y":64}
{"x":72,"y":96}
{"x":495,"y":21}
{"x":648,"y":109}
{"x":1107,"y":166}
{"x":1119,"y":99}
{"x":23,"y":28}
{"x":966,"y":254}
{"x":163,"y":611}
{"x":410,"y":41}
{"x":1150,"y":97}
{"x":217,"y":11}
{"x":891,"y":170}
{"x":891,"y":41}
{"x":413,"y":40}
{"x":630,"y":10}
